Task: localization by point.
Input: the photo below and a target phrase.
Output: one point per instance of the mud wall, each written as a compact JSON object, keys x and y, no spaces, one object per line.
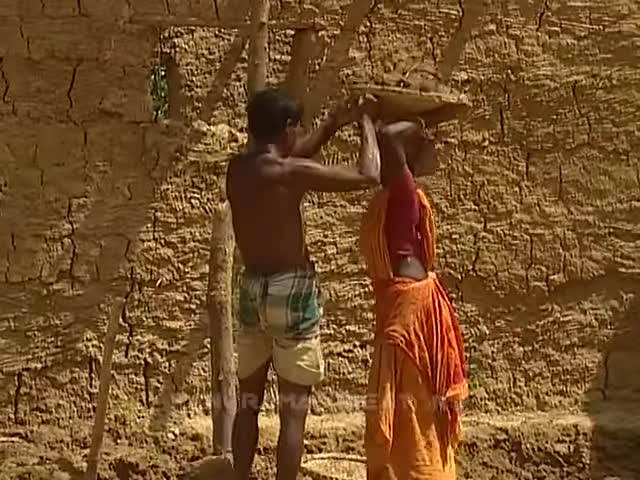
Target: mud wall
{"x":88,"y":211}
{"x":537,"y":199}
{"x":537,"y":202}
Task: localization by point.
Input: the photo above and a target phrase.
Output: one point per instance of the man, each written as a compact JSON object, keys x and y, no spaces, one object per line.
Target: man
{"x":280,"y":308}
{"x":417,"y":377}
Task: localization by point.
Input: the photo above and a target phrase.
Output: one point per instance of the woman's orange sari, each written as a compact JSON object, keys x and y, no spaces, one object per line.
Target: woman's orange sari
{"x":417,"y":379}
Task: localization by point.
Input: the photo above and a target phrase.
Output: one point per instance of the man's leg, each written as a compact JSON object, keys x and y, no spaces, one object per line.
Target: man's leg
{"x":299,"y":366}
{"x":294,"y":404}
{"x":245,"y":426}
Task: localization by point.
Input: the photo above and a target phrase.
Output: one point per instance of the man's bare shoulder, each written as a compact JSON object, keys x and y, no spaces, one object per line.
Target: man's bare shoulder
{"x":254,"y":160}
{"x":249,"y":168}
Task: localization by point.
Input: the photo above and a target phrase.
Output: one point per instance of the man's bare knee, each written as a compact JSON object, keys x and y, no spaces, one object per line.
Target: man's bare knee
{"x":294,"y":401}
{"x":294,"y":405}
{"x":250,"y":403}
{"x":251,"y":394}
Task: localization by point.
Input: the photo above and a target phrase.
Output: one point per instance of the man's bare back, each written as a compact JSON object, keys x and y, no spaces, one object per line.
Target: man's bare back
{"x":266,"y":217}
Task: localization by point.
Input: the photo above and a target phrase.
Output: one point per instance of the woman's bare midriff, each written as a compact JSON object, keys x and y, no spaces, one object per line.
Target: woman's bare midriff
{"x":410,"y":267}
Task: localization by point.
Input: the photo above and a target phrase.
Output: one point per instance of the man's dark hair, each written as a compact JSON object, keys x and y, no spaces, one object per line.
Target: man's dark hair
{"x":269,"y":111}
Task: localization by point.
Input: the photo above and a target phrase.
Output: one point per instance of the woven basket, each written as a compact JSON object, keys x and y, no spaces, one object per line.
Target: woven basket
{"x":399,"y":102}
{"x":334,"y":466}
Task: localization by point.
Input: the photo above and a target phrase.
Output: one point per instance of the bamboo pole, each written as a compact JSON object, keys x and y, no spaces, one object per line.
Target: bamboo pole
{"x":103,"y":391}
{"x":227,"y":65}
{"x":219,"y":295}
{"x":327,"y":80}
{"x":303,"y":49}
{"x":222,"y":77}
{"x":258,"y":46}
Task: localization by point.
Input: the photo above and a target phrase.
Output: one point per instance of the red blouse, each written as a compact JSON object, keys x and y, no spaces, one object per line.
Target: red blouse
{"x":403,"y":215}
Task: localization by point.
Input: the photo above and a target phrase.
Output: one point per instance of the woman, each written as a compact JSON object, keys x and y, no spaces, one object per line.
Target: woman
{"x":417,"y":377}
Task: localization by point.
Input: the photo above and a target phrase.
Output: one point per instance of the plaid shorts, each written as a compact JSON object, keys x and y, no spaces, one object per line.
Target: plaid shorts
{"x":284,"y":305}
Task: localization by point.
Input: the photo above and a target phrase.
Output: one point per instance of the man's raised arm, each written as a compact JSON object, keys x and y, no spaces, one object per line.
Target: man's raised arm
{"x":307,"y":175}
{"x":310,"y":145}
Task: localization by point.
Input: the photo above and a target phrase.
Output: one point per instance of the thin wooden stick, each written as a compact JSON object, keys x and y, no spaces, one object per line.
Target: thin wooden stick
{"x":303,"y":49}
{"x":327,"y":80}
{"x":223,"y":75}
{"x":103,"y":390}
{"x":166,"y":21}
{"x":258,"y":46}
{"x":223,"y":373}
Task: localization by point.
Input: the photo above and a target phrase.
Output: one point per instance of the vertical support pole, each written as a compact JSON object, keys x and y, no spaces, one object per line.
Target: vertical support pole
{"x":223,"y":374}
{"x":303,"y":50}
{"x":326,"y":82}
{"x":219,"y":297}
{"x":103,"y":391}
{"x":258,"y":46}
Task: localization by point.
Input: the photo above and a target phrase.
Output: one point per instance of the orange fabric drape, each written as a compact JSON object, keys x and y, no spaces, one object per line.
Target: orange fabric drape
{"x":417,"y":319}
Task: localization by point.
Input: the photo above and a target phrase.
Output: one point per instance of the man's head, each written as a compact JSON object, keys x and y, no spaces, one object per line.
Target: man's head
{"x":274,"y":118}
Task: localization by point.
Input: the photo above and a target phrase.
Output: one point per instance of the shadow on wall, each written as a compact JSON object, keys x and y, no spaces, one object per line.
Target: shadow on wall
{"x":614,"y":400}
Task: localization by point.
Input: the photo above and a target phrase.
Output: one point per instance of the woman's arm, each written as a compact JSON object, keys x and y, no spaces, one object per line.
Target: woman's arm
{"x":369,"y":151}
{"x":392,"y":147}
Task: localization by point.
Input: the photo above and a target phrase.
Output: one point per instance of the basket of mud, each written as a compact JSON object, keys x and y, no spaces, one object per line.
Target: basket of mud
{"x":334,"y":466}
{"x":404,"y":102}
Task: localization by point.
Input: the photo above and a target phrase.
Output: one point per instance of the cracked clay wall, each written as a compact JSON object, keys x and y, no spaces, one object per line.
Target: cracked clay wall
{"x":88,"y":212}
{"x":537,"y":203}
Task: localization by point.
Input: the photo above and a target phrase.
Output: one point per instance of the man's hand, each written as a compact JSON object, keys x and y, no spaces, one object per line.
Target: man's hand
{"x":369,"y":105}
{"x":353,"y":109}
{"x":349,"y":111}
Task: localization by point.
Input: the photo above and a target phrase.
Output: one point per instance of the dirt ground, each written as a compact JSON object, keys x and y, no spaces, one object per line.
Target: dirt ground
{"x":533,"y":446}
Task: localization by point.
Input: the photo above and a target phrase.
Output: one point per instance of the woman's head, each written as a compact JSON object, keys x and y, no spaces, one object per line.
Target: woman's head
{"x":421,"y":154}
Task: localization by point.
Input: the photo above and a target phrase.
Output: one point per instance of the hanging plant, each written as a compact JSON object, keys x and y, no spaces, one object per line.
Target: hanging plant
{"x":159,"y":92}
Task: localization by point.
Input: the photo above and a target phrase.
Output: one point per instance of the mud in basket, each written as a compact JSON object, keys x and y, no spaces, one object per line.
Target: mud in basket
{"x":334,"y":466}
{"x":400,"y":102}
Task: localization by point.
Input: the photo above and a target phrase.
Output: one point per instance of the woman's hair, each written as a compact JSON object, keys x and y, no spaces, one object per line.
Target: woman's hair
{"x":410,"y":167}
{"x":270,"y":111}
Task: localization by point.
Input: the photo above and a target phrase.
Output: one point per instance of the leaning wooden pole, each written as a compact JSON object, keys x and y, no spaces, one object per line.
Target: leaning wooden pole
{"x":258,"y":46}
{"x":326,"y":82}
{"x":303,"y":49}
{"x":103,"y":390}
{"x":219,"y":296}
